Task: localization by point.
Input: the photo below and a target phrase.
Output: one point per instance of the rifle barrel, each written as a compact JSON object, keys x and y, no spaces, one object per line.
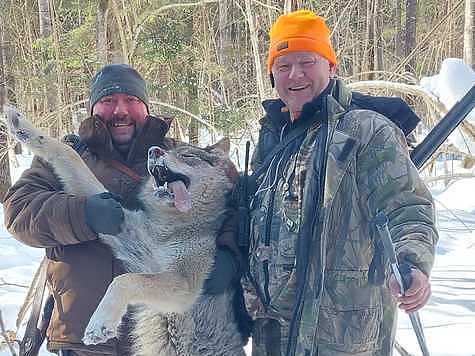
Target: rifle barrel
{"x":443,"y":129}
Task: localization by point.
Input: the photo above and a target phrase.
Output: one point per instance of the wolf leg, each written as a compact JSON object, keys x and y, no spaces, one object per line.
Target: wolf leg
{"x":67,"y":164}
{"x":164,"y":292}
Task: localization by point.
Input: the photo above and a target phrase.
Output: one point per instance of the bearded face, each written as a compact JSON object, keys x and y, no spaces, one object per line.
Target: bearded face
{"x":123,"y":114}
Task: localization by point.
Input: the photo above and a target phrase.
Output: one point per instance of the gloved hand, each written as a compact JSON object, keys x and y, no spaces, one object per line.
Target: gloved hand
{"x":225,"y":272}
{"x":104,"y":214}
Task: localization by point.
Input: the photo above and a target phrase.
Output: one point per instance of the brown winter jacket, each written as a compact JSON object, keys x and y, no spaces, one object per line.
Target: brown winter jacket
{"x":39,"y":214}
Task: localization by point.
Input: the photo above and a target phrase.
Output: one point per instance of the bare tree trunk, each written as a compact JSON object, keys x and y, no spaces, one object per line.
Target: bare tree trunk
{"x":410,"y":39}
{"x":370,"y":38}
{"x":63,"y":123}
{"x":255,"y":50}
{"x":3,"y":72}
{"x":398,"y":46}
{"x":225,"y":46}
{"x":451,"y":26}
{"x":191,"y":100}
{"x":120,"y":22}
{"x":45,"y":18}
{"x":46,"y":28}
{"x":469,"y":34}
{"x":378,"y":36}
{"x":102,"y":47}
{"x":5,"y":180}
{"x":359,"y":48}
{"x":287,"y":6}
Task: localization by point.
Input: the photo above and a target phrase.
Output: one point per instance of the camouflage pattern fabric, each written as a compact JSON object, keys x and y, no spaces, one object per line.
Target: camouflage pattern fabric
{"x":367,"y":169}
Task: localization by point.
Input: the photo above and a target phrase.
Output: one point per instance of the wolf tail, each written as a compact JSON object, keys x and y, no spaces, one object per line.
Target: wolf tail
{"x":243,"y":319}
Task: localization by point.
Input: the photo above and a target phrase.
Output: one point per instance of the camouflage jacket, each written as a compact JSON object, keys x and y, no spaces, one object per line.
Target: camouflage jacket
{"x":312,"y":244}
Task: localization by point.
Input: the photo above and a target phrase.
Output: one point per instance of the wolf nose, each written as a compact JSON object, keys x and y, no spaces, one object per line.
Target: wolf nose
{"x":155,"y":151}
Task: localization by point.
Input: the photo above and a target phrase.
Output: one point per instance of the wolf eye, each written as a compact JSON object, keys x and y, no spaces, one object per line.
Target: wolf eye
{"x":189,"y":158}
{"x":195,"y":159}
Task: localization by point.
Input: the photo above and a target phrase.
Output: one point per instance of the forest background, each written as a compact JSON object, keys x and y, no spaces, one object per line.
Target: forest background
{"x":205,"y":60}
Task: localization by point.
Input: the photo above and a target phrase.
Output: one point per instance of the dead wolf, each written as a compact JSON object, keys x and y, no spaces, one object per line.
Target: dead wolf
{"x":167,"y":246}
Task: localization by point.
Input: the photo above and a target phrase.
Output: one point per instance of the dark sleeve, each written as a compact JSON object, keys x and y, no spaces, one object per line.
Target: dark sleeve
{"x":40,"y":214}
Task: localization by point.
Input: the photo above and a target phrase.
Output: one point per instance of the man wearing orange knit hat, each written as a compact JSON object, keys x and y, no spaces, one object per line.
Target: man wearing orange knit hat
{"x":325,"y":167}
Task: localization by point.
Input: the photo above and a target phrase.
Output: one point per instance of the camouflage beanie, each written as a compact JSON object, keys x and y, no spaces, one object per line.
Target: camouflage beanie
{"x":117,"y":78}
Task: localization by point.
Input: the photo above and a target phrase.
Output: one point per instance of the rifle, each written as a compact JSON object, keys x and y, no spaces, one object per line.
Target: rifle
{"x":35,"y":334}
{"x":419,"y":156}
{"x":443,"y":129}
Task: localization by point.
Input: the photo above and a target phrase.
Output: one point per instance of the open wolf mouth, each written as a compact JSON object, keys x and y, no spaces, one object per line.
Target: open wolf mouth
{"x":177,"y":184}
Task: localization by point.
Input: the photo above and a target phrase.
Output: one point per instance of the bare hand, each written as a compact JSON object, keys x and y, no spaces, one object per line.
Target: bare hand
{"x":416,"y":296}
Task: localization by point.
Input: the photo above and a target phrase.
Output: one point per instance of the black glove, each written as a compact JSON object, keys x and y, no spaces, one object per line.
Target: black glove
{"x":104,"y":214}
{"x":225,"y":272}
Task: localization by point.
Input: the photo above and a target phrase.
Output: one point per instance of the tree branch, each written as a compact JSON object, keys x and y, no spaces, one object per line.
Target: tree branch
{"x":196,"y":117}
{"x":138,"y":30}
{"x":5,"y":336}
{"x":3,"y":283}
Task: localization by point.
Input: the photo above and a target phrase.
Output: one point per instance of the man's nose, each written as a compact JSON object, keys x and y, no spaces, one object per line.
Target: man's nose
{"x":120,"y":108}
{"x":296,"y":71}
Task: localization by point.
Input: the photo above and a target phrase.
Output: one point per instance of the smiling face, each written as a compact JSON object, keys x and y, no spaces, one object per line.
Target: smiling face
{"x":123,"y":114}
{"x":299,"y":77}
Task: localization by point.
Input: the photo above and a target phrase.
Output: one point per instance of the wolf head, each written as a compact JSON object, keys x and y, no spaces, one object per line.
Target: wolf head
{"x":189,"y":180}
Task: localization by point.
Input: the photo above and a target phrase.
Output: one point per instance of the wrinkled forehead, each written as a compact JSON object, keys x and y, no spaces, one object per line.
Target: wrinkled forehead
{"x":297,"y":57}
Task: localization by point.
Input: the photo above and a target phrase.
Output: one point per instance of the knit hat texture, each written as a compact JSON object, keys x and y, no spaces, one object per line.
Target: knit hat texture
{"x":117,"y":78}
{"x":300,"y":30}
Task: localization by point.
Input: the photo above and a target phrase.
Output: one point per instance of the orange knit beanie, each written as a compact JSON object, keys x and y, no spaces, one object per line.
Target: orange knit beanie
{"x":300,"y":30}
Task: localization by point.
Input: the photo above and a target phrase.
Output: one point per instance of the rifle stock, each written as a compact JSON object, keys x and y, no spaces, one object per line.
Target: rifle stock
{"x":443,"y":129}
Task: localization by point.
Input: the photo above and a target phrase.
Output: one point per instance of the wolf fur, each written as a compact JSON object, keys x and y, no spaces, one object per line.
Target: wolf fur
{"x":168,"y":254}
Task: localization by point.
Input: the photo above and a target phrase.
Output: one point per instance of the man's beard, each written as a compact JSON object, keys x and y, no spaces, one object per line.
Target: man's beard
{"x":122,"y":147}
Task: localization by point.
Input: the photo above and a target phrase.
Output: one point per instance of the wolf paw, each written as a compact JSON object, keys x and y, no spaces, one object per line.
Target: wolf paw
{"x":99,"y":331}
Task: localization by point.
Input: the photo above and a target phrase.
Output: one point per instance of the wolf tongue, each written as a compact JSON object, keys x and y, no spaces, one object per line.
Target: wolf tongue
{"x":182,"y":197}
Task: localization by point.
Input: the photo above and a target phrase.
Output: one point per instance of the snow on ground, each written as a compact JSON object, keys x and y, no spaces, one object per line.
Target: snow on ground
{"x":449,"y":317}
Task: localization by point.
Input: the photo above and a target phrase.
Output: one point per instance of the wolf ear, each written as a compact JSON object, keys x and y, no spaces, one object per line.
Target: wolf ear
{"x":222,"y":145}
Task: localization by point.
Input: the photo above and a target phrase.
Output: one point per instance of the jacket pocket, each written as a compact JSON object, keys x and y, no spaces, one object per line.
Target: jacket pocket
{"x":350,"y":331}
{"x":350,"y":313}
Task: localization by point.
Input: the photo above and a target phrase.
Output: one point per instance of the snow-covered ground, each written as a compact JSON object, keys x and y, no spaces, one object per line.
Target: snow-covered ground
{"x":449,"y":317}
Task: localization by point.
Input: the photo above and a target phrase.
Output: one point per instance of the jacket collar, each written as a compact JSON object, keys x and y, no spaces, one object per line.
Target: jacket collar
{"x":96,"y":136}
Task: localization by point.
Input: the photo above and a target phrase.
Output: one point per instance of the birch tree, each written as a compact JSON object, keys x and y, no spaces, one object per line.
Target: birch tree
{"x":102,"y":47}
{"x":44,"y":18}
{"x":410,"y":39}
{"x":5,"y":180}
{"x":469,"y":34}
{"x":255,"y":50}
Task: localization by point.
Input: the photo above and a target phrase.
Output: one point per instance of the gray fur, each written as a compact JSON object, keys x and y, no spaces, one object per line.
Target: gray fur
{"x":168,"y":254}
